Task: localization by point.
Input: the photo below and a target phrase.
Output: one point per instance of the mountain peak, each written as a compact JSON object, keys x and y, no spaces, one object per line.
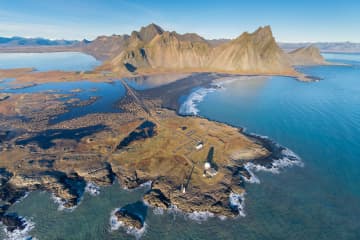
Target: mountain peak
{"x":264,"y":32}
{"x":148,"y":32}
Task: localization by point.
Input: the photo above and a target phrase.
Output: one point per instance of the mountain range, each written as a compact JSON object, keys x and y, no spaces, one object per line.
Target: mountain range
{"x":153,"y":49}
{"x":21,"y":41}
{"x":337,"y":47}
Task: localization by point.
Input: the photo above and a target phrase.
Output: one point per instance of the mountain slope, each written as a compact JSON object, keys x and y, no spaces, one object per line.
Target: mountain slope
{"x":255,"y":53}
{"x":307,"y":56}
{"x":252,"y":53}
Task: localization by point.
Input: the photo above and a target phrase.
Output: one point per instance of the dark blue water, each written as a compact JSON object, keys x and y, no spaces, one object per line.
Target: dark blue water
{"x":320,"y":122}
{"x":65,"y":61}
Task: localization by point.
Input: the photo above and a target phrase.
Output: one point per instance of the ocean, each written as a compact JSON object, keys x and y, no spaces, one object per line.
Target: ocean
{"x":319,"y":121}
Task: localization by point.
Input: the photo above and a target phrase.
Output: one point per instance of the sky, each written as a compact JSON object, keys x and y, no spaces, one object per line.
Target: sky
{"x":291,"y":21}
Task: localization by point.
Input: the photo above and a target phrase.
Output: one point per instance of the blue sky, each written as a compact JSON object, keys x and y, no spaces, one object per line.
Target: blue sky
{"x":291,"y":21}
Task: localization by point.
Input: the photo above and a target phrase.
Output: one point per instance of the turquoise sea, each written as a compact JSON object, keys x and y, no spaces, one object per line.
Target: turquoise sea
{"x":319,"y":121}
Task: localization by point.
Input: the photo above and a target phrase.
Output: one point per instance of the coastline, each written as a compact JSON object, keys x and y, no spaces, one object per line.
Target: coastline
{"x":167,"y":97}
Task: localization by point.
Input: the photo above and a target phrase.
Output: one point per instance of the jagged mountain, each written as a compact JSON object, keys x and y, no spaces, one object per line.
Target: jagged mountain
{"x":255,"y":53}
{"x":307,"y":56}
{"x":104,"y":47}
{"x":146,"y":34}
{"x":251,"y":53}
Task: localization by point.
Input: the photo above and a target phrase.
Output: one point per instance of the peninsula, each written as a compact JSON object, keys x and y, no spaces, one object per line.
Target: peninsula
{"x":191,"y":163}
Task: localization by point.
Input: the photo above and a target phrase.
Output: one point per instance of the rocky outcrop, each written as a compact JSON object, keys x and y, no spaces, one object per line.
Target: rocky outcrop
{"x":129,"y":219}
{"x":67,"y":188}
{"x":13,"y":222}
{"x":307,"y":56}
{"x":164,"y":194}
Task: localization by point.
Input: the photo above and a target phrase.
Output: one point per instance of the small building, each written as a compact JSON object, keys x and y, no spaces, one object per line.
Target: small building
{"x":199,"y":146}
{"x":209,"y":171}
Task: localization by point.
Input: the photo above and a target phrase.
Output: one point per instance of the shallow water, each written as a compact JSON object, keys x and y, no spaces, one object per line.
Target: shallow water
{"x":108,"y":94}
{"x":65,"y":61}
{"x":319,"y":121}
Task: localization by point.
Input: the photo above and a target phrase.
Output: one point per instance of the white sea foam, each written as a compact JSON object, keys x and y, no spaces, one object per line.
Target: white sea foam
{"x":158,"y":211}
{"x":61,"y":203}
{"x":288,"y":159}
{"x":23,"y":197}
{"x":253,"y":178}
{"x":145,"y":186}
{"x":115,"y":224}
{"x":189,"y":107}
{"x":199,"y":216}
{"x":238,"y":201}
{"x":18,"y":234}
{"x":92,"y":189}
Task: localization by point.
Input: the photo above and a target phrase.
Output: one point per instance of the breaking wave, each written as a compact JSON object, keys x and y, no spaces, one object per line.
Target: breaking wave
{"x":285,"y":158}
{"x":92,"y":189}
{"x":200,"y":216}
{"x":189,"y":107}
{"x":238,"y":201}
{"x":61,"y":203}
{"x":145,"y":186}
{"x":20,"y":234}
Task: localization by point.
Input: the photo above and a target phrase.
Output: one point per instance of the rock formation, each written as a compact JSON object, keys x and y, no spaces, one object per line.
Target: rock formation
{"x":307,"y":56}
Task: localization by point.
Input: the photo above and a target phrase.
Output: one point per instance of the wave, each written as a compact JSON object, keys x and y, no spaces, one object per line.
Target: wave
{"x":253,"y":178}
{"x":158,"y":211}
{"x":115,"y":224}
{"x":23,"y":197}
{"x":238,"y":201}
{"x":92,"y":189}
{"x":200,"y":216}
{"x":146,"y":186}
{"x":284,"y":158}
{"x":20,"y":234}
{"x":189,"y":107}
{"x":61,"y":203}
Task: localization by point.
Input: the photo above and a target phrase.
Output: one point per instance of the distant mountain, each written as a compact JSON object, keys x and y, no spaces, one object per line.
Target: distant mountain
{"x":348,"y":47}
{"x":105,"y":47}
{"x":20,"y":41}
{"x":153,"y":49}
{"x":217,"y":42}
{"x":307,"y":56}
